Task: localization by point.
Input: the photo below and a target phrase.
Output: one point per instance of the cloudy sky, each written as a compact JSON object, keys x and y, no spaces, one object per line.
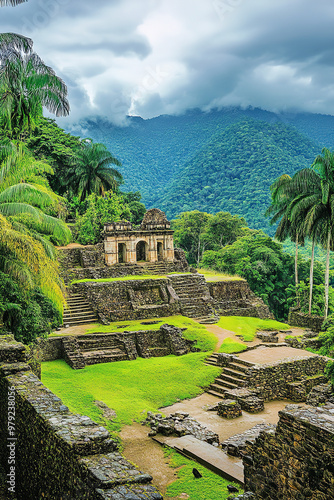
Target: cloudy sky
{"x":150,"y":57}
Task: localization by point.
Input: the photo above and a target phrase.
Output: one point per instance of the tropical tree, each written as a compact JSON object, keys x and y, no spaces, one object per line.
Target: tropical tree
{"x":92,"y":172}
{"x":27,"y":85}
{"x":283,"y":193}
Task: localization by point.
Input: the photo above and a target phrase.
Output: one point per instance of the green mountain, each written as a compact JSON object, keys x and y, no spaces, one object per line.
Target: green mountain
{"x":235,"y":169}
{"x":158,"y":154}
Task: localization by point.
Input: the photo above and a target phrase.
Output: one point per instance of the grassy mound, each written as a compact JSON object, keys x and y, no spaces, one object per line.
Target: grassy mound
{"x":247,"y":327}
{"x":230,"y":346}
{"x":206,"y":341}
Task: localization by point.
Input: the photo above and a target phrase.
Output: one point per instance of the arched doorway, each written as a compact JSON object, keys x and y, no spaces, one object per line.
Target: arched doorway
{"x":121,"y":253}
{"x":141,"y":251}
{"x":160,"y":250}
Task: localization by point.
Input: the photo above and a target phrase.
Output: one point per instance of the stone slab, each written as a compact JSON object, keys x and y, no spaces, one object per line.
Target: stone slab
{"x":267,"y":355}
{"x":211,"y":457}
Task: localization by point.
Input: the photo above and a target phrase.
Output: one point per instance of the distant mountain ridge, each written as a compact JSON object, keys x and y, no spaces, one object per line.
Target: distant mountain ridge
{"x":164,"y":157}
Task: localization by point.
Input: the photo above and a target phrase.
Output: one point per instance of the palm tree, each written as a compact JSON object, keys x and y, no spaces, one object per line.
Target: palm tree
{"x":315,"y":205}
{"x":283,"y":192}
{"x":92,"y":173}
{"x":26,"y":85}
{"x":26,"y":252}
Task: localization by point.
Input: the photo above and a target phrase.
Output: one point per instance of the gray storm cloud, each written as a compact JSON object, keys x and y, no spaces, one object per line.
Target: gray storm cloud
{"x":165,"y":56}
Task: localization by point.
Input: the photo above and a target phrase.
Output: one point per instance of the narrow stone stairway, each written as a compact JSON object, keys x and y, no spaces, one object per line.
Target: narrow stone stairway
{"x":72,"y":353}
{"x":101,"y":349}
{"x":194,"y":296}
{"x":233,"y":376}
{"x":79,"y":311}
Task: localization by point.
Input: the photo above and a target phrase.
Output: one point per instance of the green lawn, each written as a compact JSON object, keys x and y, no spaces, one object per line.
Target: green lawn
{"x":131,"y":388}
{"x":206,"y":341}
{"x":122,"y":278}
{"x":209,"y":487}
{"x":230,"y":346}
{"x":216,"y":276}
{"x":247,"y":327}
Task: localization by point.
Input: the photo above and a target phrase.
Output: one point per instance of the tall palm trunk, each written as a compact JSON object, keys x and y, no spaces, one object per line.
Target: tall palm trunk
{"x":311,"y":279}
{"x":296,"y":271}
{"x":327,"y":274}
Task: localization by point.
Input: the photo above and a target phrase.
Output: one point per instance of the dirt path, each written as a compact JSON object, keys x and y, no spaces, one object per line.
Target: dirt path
{"x":148,"y":455}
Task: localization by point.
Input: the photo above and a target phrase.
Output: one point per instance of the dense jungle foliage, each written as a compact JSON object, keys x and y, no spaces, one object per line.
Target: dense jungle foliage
{"x":224,"y":243}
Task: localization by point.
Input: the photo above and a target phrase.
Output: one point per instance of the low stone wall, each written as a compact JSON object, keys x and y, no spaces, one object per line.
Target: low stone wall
{"x":297,"y":318}
{"x":296,"y":461}
{"x":87,"y":262}
{"x":50,"y":453}
{"x":130,"y":300}
{"x":235,"y":298}
{"x":275,"y":381}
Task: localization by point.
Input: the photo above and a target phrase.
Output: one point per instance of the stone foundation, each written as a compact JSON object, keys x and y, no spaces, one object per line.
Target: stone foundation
{"x":235,"y":298}
{"x":296,"y":461}
{"x":303,"y":320}
{"x":56,"y":454}
{"x":229,"y":408}
{"x":278,"y":380}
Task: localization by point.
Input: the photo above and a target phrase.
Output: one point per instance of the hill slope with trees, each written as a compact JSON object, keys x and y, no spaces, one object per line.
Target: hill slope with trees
{"x":234,"y":171}
{"x":155,"y":152}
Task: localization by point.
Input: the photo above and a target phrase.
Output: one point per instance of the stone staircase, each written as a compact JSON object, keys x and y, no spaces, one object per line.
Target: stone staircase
{"x":158,"y":267}
{"x":233,"y":376}
{"x":194,"y":297}
{"x":101,"y":349}
{"x":72,"y":354}
{"x":79,"y":311}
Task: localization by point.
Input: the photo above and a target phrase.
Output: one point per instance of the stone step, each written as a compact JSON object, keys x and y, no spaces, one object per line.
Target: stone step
{"x":232,"y":380}
{"x":234,"y":373}
{"x":214,"y":393}
{"x":79,"y":322}
{"x":82,"y":317}
{"x":219,"y":388}
{"x":208,"y":320}
{"x":104,"y":356}
{"x":210,"y":363}
{"x":226,"y":383}
{"x":237,"y":367}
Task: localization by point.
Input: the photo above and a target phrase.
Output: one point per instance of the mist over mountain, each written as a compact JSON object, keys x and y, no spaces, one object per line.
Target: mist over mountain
{"x":220,"y":160}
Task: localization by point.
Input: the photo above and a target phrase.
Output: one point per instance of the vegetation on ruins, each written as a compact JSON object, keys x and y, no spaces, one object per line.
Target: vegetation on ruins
{"x":206,"y":341}
{"x":247,"y":327}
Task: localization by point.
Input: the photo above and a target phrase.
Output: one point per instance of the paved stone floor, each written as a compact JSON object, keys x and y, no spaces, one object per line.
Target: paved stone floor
{"x":263,"y":355}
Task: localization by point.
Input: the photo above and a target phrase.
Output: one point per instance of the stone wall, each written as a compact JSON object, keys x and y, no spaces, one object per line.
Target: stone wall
{"x":295,"y":462}
{"x":288,"y":378}
{"x":129,"y":300}
{"x":296,"y":318}
{"x":235,"y":298}
{"x":50,"y":453}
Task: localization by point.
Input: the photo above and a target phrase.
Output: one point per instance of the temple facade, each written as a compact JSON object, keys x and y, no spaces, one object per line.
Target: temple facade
{"x":152,"y":242}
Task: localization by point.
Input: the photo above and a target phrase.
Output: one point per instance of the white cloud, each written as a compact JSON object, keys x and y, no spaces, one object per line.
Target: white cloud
{"x":166,"y":56}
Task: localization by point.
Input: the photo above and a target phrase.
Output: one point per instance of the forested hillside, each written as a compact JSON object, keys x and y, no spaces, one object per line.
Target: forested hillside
{"x":234,"y":171}
{"x":157,"y":155}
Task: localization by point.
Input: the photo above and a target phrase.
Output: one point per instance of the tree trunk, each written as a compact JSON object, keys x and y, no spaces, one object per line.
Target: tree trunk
{"x":311,"y":279}
{"x":296,"y":272}
{"x":327,"y":274}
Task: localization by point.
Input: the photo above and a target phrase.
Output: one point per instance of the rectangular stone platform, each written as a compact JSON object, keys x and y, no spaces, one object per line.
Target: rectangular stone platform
{"x":211,"y":457}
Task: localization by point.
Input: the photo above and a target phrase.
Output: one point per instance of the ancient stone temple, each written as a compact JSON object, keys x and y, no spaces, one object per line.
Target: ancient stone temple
{"x":152,"y":242}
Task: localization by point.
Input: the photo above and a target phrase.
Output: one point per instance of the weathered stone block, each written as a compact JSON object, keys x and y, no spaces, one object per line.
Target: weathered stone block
{"x":229,"y":408}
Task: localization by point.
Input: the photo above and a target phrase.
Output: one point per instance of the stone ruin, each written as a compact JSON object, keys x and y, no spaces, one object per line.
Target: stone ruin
{"x":152,"y":242}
